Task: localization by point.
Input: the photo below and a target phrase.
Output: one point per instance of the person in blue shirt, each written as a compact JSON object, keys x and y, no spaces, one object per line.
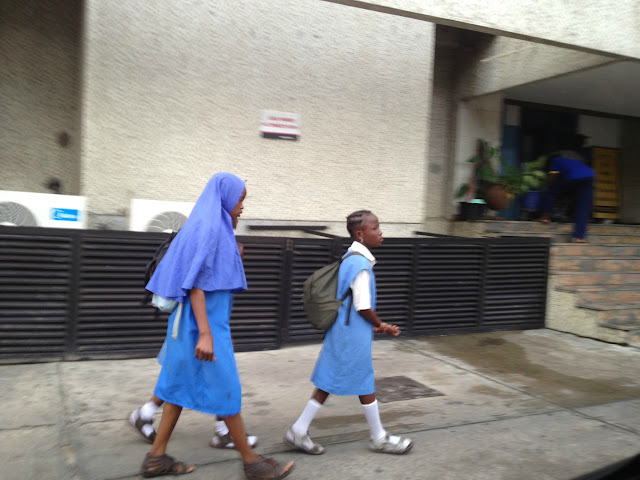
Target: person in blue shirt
{"x":570,"y":175}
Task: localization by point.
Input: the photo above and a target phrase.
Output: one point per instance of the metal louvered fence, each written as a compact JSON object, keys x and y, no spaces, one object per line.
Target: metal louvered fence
{"x":76,"y":294}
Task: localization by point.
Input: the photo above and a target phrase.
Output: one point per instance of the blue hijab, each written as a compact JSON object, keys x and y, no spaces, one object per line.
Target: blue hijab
{"x":204,"y":254}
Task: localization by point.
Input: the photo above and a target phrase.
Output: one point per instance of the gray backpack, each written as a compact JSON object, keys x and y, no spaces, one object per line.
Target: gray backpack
{"x":319,"y":295}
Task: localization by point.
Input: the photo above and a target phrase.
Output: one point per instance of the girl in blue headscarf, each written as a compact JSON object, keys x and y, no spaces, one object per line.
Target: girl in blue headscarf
{"x":201,"y":270}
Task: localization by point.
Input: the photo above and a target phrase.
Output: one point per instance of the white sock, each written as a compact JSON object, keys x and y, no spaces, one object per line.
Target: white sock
{"x":221,"y":428}
{"x":302,"y":424}
{"x":148,"y":410}
{"x":373,"y":419}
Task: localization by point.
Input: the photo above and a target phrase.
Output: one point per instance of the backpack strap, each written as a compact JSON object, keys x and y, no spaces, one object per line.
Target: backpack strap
{"x":349,"y":292}
{"x":349,"y":310}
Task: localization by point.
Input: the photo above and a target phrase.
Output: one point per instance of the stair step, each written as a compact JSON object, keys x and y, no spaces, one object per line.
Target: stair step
{"x":628,"y":324}
{"x":566,"y":228}
{"x":602,"y":293}
{"x":591,"y":249}
{"x":596,"y":278}
{"x":617,"y":315}
{"x":633,"y":339}
{"x":596,"y":264}
{"x":609,"y":306}
{"x":609,"y":238}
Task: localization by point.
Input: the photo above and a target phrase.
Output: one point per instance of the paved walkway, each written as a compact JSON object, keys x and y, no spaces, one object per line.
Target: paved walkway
{"x":528,"y":405}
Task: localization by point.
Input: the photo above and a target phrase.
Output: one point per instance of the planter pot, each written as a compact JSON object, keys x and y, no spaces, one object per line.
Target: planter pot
{"x":471,"y":211}
{"x":497,"y":197}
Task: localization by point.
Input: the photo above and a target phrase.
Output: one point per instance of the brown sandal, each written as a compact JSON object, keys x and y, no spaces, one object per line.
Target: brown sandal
{"x":267,"y":469}
{"x":158,"y":465}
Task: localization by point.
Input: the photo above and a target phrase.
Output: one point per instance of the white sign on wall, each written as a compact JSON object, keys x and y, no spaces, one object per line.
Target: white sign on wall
{"x":283,"y":125}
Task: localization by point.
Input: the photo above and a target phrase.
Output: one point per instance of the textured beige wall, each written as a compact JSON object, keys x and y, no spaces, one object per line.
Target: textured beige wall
{"x":172,"y":93}
{"x":508,"y":62}
{"x":39,"y":56}
{"x":441,"y":134}
{"x":597,"y":26}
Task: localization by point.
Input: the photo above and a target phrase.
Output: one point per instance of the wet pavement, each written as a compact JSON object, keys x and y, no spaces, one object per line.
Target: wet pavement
{"x":536,"y":405}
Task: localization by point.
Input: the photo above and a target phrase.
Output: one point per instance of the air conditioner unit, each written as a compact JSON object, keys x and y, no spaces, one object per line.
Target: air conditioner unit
{"x":158,"y":215}
{"x":28,"y":209}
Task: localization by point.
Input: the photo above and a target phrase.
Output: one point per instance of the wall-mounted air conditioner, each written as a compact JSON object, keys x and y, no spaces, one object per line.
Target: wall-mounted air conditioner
{"x":158,"y":215}
{"x":28,"y":209}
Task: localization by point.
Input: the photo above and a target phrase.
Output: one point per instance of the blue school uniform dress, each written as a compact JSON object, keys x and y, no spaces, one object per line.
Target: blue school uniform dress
{"x":203,"y":255}
{"x":345,"y":366}
{"x":209,"y":387}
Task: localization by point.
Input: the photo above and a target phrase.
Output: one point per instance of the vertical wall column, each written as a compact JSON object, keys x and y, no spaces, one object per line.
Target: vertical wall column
{"x":476,"y":118}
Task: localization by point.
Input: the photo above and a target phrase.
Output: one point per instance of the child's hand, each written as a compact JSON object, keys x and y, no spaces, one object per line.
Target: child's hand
{"x":204,"y":347}
{"x":393,"y":330}
{"x":387,"y":329}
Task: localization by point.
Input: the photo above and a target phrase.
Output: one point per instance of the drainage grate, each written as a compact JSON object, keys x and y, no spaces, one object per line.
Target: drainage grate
{"x":393,"y":389}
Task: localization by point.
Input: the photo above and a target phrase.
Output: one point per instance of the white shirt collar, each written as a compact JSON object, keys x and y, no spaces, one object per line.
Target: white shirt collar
{"x":360,"y":248}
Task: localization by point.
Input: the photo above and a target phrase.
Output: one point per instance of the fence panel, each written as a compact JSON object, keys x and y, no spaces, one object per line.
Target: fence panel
{"x":35,"y":281}
{"x":73,"y":294}
{"x":111,"y":319}
{"x":515,"y":291}
{"x":257,"y":312}
{"x":448,"y":287}
{"x":307,"y":255}
{"x":394,"y":282}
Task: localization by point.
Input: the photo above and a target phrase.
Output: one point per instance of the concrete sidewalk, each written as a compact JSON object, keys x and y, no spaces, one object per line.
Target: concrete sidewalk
{"x":527,"y":405}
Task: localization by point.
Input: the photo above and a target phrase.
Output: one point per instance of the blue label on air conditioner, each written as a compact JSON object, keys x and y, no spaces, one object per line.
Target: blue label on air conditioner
{"x":65,"y":214}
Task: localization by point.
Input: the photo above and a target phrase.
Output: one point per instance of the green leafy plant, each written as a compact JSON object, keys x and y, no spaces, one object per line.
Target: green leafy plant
{"x":516,"y":180}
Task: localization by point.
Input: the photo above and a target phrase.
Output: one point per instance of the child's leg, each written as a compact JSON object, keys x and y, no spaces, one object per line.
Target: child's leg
{"x":255,"y":466}
{"x":381,"y":441}
{"x":170,"y":415}
{"x":372,"y":414}
{"x":149,"y":409}
{"x":156,"y":461}
{"x":239,"y":436}
{"x":310,"y":410}
{"x":297,"y":435}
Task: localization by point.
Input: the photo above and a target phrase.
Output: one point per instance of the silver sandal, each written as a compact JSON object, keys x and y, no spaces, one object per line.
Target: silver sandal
{"x":391,"y":444}
{"x":303,"y":442}
{"x":145,"y":427}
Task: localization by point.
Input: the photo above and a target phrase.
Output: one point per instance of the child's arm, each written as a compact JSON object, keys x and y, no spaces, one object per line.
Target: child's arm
{"x":378,"y":325}
{"x":204,"y":347}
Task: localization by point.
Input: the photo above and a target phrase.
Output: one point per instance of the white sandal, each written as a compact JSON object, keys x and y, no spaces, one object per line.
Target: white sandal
{"x":391,"y":444}
{"x":303,"y":442}
{"x":225,"y":441}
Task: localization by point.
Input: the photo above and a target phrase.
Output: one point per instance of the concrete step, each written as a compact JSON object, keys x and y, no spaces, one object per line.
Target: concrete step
{"x":590,"y":249}
{"x":594,"y":264}
{"x":633,"y":339}
{"x":618,"y":315}
{"x":604,"y":293}
{"x":563,"y":314}
{"x":609,"y":238}
{"x":565,"y":228}
{"x":564,"y":279}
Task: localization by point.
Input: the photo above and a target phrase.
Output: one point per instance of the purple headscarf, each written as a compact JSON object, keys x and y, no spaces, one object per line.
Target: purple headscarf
{"x":204,"y":254}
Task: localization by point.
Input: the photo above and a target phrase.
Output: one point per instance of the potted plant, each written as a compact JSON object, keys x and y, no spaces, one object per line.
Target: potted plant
{"x":499,"y":189}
